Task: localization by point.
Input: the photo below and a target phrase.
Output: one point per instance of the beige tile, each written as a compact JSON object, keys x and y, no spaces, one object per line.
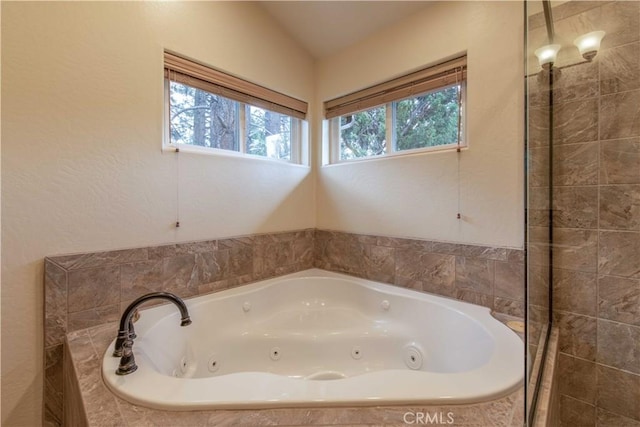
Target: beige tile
{"x":538,"y":169}
{"x":509,"y":280}
{"x":508,"y":306}
{"x":538,"y":285}
{"x":618,"y":253}
{"x":55,"y":303}
{"x":575,"y":207}
{"x":379,"y":264}
{"x":620,"y":68}
{"x":575,"y":249}
{"x":574,"y":291}
{"x":620,"y":161}
{"x":620,"y":207}
{"x":575,"y":413}
{"x":576,"y":83}
{"x":619,"y":345}
{"x":577,"y":334}
{"x":475,"y":274}
{"x":575,"y":164}
{"x":427,"y":267}
{"x":618,"y":392}
{"x":577,"y":378}
{"x":619,"y":299}
{"x":620,"y":115}
{"x":93,"y":317}
{"x":177,"y":275}
{"x":575,"y":122}
{"x":212,"y":266}
{"x":53,"y":388}
{"x":485,"y":300}
{"x":609,"y":419}
{"x":93,"y":287}
{"x":538,"y":124}
{"x":100,"y":259}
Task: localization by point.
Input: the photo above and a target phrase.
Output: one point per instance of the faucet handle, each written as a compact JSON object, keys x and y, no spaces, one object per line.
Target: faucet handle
{"x":128,"y":361}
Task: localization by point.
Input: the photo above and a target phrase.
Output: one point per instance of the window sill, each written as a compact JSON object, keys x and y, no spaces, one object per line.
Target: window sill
{"x":407,"y":153}
{"x":216,"y":152}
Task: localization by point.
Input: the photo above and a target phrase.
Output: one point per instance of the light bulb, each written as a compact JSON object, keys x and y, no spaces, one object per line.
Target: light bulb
{"x":547,"y":55}
{"x":589,"y":44}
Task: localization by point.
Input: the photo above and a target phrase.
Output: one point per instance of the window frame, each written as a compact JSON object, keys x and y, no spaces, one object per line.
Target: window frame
{"x":441,"y":72}
{"x":299,"y":130}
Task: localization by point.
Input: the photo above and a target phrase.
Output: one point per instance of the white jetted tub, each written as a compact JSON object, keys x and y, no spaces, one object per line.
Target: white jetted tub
{"x":316,"y":338}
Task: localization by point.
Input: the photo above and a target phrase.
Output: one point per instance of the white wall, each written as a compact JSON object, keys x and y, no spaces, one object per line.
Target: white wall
{"x":82,"y":167}
{"x":416,"y":196}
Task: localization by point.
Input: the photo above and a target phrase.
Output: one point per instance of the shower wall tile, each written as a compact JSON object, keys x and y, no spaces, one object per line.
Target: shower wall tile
{"x":576,"y":122}
{"x":577,"y":334}
{"x":619,"y":299}
{"x":618,"y":253}
{"x":538,"y":206}
{"x":609,"y":419}
{"x":575,"y":164}
{"x":596,"y":208}
{"x":620,"y":207}
{"x":620,"y":115}
{"x":620,"y":69}
{"x":621,"y":20}
{"x":575,"y":413}
{"x":539,"y":122}
{"x":575,"y":249}
{"x":618,"y":392}
{"x":577,"y":378}
{"x":575,"y":207}
{"x":576,"y":83}
{"x":620,"y":161}
{"x":93,"y":287}
{"x":618,"y":345}
{"x":539,"y":167}
{"x":575,"y":291}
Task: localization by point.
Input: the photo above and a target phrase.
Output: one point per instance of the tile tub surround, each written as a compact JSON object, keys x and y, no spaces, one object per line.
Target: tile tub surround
{"x":596,"y":218}
{"x":92,"y":404}
{"x":85,"y":290}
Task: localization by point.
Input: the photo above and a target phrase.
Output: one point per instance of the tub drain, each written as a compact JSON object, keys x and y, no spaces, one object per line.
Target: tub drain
{"x":413,"y":358}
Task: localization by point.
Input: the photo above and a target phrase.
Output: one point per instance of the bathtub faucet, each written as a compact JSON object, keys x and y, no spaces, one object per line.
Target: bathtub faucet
{"x":124,"y":342}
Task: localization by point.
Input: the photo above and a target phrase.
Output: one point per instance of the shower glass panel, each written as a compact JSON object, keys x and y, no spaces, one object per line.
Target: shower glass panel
{"x":539,"y":232}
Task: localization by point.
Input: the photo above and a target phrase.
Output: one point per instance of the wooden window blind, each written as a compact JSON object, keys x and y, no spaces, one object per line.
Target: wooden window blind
{"x":191,"y":73}
{"x":412,"y":84}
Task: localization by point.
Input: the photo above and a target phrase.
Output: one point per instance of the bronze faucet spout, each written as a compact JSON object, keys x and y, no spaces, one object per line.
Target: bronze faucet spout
{"x":124,"y":342}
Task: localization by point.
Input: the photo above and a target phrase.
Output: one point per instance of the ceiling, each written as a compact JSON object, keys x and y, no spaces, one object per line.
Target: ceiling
{"x":326,"y":27}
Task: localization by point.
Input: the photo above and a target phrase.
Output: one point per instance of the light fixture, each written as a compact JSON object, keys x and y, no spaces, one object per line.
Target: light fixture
{"x":547,"y":55}
{"x":589,"y":44}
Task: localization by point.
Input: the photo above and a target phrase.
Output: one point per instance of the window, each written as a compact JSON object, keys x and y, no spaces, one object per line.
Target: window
{"x":418,"y":112}
{"x":211,"y":111}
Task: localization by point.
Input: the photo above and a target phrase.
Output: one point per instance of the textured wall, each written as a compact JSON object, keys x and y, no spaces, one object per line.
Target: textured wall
{"x":82,"y":166}
{"x":596,"y":215}
{"x":416,"y":195}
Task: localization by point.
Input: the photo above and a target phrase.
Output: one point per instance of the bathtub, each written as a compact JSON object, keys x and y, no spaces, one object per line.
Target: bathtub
{"x":317,"y":338}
